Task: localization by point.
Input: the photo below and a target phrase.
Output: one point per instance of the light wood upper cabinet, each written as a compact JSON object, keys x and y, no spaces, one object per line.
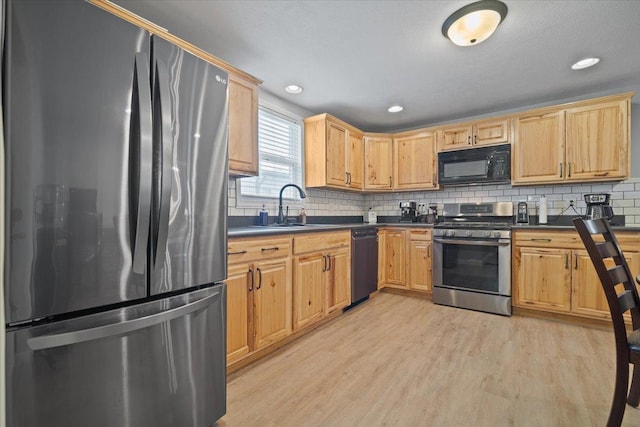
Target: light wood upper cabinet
{"x":538,"y":150}
{"x":243,"y":127}
{"x":333,"y":153}
{"x":414,"y":161}
{"x":598,"y":141}
{"x":378,"y":159}
{"x":585,"y":141}
{"x":355,"y":160}
{"x":470,"y":135}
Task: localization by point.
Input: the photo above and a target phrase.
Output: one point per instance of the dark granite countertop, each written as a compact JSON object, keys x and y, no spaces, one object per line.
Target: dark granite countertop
{"x":272,"y":230}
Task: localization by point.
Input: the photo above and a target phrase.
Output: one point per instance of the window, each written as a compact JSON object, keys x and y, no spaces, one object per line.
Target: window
{"x":280,"y":148}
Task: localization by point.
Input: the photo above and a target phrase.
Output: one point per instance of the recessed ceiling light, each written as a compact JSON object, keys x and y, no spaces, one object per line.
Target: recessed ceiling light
{"x":395,"y":108}
{"x":294,"y":89}
{"x":475,"y":22}
{"x":585,"y":63}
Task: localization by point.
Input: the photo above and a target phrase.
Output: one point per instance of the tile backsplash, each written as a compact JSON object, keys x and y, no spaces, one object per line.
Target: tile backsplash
{"x":625,"y":197}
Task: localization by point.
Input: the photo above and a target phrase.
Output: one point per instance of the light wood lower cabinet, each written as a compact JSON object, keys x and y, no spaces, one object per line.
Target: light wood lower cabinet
{"x":552,"y":272}
{"x":405,"y":258}
{"x":420,"y":262}
{"x":322,"y":276}
{"x":259,"y":294}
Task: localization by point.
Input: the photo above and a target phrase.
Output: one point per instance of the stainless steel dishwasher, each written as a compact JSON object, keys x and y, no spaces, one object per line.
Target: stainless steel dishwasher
{"x":364,"y":263}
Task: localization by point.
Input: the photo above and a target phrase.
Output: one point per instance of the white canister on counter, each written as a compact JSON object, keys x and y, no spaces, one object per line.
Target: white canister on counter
{"x":542,"y":218}
{"x":372,"y":218}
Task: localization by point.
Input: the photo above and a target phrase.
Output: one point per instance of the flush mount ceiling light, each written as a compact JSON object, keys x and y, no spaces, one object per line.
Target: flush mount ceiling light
{"x":475,"y":22}
{"x":395,"y":108}
{"x":585,"y":63}
{"x":294,"y":89}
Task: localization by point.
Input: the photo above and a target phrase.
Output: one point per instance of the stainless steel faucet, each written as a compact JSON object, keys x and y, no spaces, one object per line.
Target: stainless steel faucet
{"x":281,"y":216}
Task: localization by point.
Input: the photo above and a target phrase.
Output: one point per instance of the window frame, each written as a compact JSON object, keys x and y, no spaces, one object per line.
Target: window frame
{"x":247,"y":201}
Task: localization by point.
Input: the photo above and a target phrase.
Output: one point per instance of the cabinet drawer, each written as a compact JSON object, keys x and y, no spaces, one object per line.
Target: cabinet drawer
{"x":246,"y":250}
{"x":548,"y":239}
{"x":321,"y":241}
{"x":629,"y":240}
{"x":424,"y":235}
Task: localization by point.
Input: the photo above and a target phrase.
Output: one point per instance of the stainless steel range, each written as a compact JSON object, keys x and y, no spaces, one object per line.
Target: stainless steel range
{"x":472,"y":257}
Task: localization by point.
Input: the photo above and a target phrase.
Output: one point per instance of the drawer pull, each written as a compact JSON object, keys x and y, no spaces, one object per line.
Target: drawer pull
{"x":540,"y":240}
{"x":237,"y":253}
{"x":275,"y":248}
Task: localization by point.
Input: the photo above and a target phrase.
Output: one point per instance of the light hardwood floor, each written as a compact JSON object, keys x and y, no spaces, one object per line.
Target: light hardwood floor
{"x":401,"y":361}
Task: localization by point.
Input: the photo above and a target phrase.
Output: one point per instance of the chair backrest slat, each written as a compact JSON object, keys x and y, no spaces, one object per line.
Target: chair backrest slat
{"x":626,"y":301}
{"x":595,"y":227}
{"x":618,"y":274}
{"x":607,"y":249}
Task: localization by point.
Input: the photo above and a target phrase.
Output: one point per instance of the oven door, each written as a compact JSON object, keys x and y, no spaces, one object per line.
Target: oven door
{"x":473,"y":265}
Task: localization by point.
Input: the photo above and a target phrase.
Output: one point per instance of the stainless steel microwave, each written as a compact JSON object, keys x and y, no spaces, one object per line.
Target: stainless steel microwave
{"x":475,"y":166}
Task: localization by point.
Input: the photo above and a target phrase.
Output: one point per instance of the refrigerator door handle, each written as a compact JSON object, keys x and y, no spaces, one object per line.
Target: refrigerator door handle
{"x":162,"y":122}
{"x":140,"y":157}
{"x":76,"y":337}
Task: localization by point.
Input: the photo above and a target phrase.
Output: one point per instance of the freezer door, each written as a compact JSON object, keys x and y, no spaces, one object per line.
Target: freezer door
{"x":157,"y":364}
{"x":189,"y":233}
{"x":73,"y":86}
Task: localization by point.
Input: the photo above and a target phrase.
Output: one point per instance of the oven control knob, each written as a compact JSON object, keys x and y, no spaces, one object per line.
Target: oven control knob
{"x":468,"y":233}
{"x":495,"y":234}
{"x":487,"y":234}
{"x":449,"y":233}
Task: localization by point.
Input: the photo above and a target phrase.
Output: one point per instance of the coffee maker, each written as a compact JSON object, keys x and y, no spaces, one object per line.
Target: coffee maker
{"x":598,"y":206}
{"x":408,"y":211}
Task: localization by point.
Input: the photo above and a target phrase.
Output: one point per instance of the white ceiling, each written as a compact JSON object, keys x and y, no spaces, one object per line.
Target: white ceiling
{"x":356,"y":58}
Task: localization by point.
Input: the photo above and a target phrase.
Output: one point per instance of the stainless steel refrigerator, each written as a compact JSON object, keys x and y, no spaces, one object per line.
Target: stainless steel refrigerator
{"x":115,"y":235}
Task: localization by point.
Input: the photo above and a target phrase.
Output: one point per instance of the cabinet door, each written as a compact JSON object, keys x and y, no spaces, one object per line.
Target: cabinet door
{"x":308,"y":289}
{"x":597,"y":142}
{"x":239,"y":315}
{"x":243,"y":127}
{"x":395,"y":258}
{"x":355,"y":156}
{"x":491,"y":132}
{"x":382,"y":278}
{"x":588,"y":296}
{"x":544,"y":278}
{"x":336,"y":155}
{"x":338,"y":280}
{"x":378,"y":154}
{"x":414,"y":162}
{"x":538,"y":149}
{"x":455,"y":138}
{"x":272,"y":301}
{"x":420,"y":265}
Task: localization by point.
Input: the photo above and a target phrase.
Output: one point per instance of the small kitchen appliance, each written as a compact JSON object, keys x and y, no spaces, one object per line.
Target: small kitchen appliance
{"x":598,"y":206}
{"x":522,"y":214}
{"x":408,"y":211}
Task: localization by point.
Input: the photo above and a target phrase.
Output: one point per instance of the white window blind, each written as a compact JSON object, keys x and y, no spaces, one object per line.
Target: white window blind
{"x":280,"y":147}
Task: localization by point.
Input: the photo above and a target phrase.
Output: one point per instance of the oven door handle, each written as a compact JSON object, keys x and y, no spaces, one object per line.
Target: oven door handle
{"x":472,"y":242}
